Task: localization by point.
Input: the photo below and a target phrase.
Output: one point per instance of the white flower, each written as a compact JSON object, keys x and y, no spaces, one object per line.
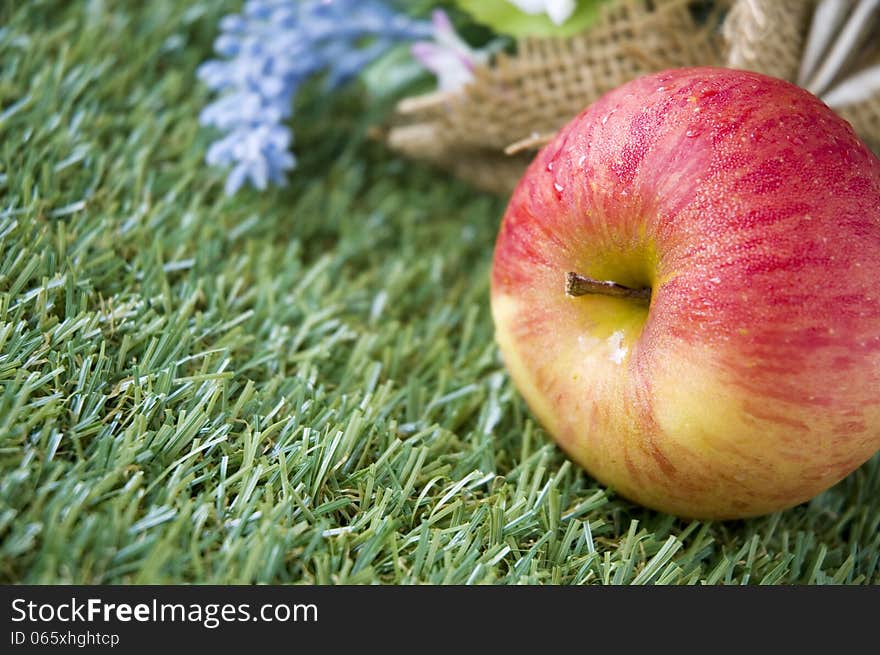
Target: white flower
{"x":559,"y":11}
{"x":448,"y":56}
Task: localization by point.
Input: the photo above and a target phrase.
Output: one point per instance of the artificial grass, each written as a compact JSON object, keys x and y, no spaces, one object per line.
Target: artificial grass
{"x":297,"y":386}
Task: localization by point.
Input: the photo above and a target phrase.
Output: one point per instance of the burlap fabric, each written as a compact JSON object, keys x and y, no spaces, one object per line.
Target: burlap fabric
{"x":767,"y":37}
{"x":524,"y":98}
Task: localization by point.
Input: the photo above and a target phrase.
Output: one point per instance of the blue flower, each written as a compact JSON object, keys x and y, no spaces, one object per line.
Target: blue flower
{"x":268,"y":51}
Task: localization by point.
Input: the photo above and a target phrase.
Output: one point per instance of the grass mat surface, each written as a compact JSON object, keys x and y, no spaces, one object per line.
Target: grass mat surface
{"x":293,"y":386}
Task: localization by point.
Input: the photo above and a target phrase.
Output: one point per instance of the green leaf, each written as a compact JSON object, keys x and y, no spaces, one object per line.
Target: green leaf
{"x":505,"y":18}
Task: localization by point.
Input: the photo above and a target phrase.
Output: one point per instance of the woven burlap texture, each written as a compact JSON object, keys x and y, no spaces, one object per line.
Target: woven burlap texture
{"x":544,"y":85}
{"x":768,"y":36}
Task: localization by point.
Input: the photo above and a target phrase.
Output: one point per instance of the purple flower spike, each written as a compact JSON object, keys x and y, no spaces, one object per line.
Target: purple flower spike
{"x":268,"y":51}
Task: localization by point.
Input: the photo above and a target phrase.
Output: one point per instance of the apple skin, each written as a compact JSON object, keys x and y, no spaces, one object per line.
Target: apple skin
{"x":751,"y":382}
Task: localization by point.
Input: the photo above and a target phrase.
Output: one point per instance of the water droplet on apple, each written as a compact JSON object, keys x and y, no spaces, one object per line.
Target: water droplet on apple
{"x":661,"y":88}
{"x":582,"y":160}
{"x":550,"y":166}
{"x":558,"y":187}
{"x":691,"y":133}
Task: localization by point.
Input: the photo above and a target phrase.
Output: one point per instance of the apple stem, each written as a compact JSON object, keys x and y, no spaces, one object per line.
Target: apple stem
{"x":579,"y":285}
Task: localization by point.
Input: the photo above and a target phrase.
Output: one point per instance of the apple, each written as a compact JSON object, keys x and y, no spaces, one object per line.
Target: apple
{"x":686,"y":292}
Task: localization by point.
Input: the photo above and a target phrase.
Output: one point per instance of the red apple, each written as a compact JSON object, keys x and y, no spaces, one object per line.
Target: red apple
{"x":715,"y":352}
